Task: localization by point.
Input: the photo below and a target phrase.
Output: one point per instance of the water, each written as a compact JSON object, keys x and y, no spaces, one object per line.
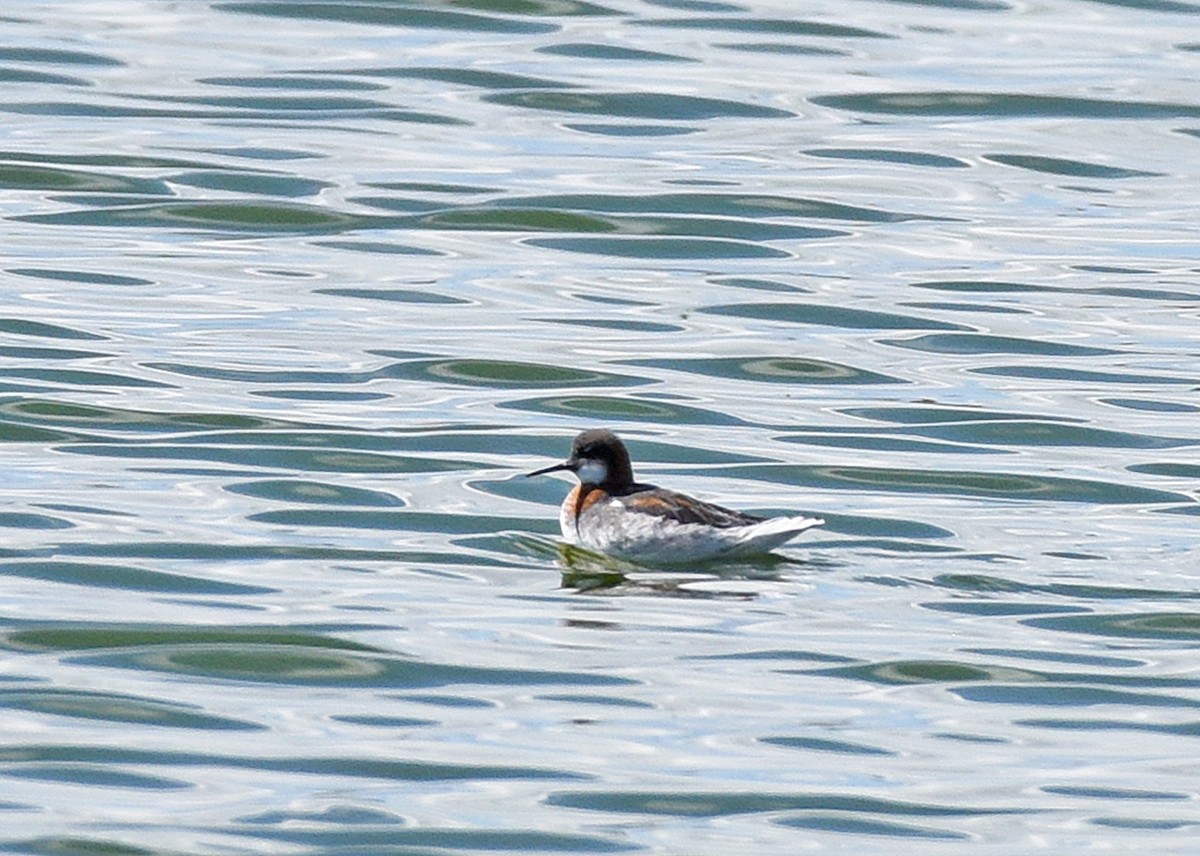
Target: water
{"x":292,"y":291}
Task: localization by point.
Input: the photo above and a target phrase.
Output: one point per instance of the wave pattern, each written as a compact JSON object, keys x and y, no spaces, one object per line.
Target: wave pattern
{"x":295,"y":290}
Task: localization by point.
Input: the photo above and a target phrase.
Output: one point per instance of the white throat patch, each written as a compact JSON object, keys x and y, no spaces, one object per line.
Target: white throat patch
{"x":592,"y":471}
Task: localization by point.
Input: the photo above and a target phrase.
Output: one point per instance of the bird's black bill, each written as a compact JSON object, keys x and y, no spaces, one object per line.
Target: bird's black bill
{"x":553,"y":468}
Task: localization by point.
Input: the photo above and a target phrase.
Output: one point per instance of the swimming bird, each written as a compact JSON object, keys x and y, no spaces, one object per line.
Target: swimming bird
{"x":611,"y":513}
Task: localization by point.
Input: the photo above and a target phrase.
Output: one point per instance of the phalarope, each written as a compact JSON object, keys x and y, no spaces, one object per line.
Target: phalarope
{"x":611,"y":513}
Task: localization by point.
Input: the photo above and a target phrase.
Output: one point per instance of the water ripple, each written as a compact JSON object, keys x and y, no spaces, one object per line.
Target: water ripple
{"x":114,"y":707}
{"x":964,"y":483}
{"x":1005,"y":105}
{"x":403,"y":15}
{"x":297,"y":290}
{"x":637,"y":105}
{"x":716,"y":804}
{"x":340,"y":767}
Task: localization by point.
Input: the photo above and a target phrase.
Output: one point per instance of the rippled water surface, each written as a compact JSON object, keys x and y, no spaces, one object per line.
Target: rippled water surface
{"x":293,"y":291}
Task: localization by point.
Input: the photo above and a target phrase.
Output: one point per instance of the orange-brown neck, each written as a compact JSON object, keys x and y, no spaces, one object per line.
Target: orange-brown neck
{"x":581,"y":498}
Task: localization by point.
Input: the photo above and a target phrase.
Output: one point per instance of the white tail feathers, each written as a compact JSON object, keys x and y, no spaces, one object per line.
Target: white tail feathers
{"x":766,"y":536}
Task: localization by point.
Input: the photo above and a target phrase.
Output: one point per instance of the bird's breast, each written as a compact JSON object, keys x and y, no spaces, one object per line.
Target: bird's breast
{"x":579,"y":500}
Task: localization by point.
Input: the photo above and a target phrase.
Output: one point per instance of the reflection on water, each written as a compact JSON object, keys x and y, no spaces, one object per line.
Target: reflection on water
{"x":294,"y":289}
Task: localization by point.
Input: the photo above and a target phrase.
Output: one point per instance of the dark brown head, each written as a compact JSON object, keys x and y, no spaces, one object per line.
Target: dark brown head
{"x":598,"y":457}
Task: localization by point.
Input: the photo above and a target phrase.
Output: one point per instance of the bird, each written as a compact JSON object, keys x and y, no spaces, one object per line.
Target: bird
{"x":611,"y":513}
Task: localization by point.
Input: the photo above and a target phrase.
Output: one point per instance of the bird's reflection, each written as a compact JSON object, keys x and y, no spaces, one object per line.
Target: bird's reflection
{"x":585,"y":571}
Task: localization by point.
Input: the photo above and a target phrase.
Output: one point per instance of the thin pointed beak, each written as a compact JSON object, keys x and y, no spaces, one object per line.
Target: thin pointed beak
{"x":553,"y":468}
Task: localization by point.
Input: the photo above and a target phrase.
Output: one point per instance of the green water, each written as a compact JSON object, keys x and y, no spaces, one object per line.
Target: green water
{"x":294,"y":291}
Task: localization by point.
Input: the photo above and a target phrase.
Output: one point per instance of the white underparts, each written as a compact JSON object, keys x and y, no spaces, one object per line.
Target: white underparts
{"x":611,"y":527}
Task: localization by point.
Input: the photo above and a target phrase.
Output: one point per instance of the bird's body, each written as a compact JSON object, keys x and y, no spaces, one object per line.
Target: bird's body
{"x":611,"y":513}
